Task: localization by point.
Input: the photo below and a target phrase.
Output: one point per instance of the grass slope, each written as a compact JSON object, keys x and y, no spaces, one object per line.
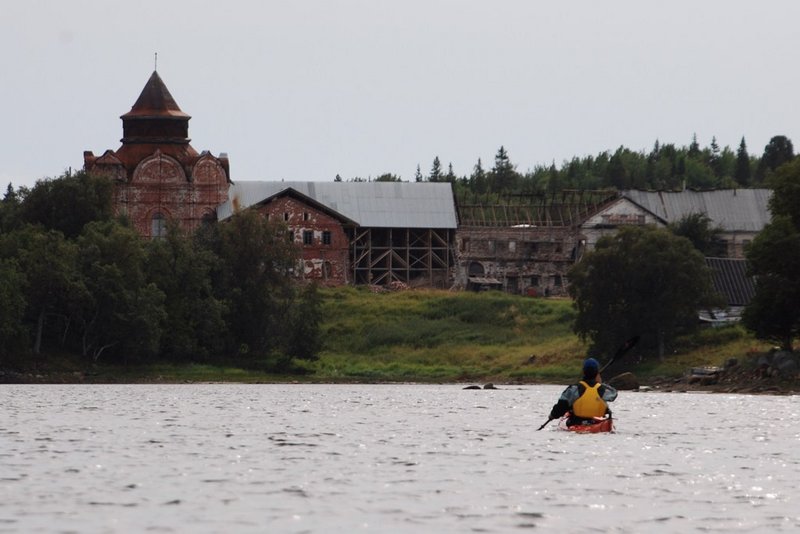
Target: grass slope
{"x":428,"y":335}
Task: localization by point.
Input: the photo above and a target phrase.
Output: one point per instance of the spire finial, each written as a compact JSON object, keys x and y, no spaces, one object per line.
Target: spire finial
{"x":155,"y":62}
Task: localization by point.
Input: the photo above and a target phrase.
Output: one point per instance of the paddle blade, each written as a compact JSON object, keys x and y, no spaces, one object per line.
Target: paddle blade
{"x":628,"y":345}
{"x":544,"y":424}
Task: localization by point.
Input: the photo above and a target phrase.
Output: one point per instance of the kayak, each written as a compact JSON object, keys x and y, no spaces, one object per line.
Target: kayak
{"x":596,"y":424}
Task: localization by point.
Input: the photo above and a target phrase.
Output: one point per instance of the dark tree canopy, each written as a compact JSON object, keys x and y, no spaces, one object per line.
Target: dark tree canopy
{"x":697,"y":228}
{"x":13,"y":283}
{"x":68,"y":203}
{"x":642,"y":281}
{"x":785,"y":199}
{"x":778,"y":151}
{"x":78,"y":281}
{"x":257,"y":260}
{"x":774,"y":259}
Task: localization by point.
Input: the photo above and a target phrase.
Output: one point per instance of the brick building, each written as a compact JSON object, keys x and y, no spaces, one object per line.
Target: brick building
{"x":375,"y":233}
{"x":158,"y":176}
{"x":526,"y":245}
{"x":321,"y":234}
{"x":385,"y":232}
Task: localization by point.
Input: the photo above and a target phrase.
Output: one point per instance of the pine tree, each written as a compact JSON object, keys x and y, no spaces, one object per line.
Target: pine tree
{"x":450,"y":176}
{"x":714,"y":158}
{"x":418,"y":175}
{"x":742,"y":172}
{"x":436,"y":171}
{"x":503,"y":174}
{"x":477,"y":179}
{"x":694,"y":148}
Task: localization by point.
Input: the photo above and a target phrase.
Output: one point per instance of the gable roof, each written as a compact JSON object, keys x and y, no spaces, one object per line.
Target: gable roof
{"x":369,"y":204}
{"x":731,"y":209}
{"x":291,"y":192}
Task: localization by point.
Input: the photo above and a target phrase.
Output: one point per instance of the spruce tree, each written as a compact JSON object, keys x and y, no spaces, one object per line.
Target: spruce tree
{"x":694,"y":148}
{"x":503,"y":174}
{"x":477,"y":179}
{"x":436,"y":171}
{"x":450,"y":176}
{"x":742,"y":172}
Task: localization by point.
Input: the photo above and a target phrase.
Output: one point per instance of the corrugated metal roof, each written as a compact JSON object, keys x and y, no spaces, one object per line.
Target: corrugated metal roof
{"x":730,"y":209}
{"x":370,"y":204}
{"x":730,"y":279}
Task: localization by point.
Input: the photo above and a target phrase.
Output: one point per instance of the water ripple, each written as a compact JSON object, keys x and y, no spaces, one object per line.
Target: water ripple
{"x":404,"y":458}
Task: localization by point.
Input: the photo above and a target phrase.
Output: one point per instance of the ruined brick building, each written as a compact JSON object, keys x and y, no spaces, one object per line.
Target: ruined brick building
{"x":158,"y":176}
{"x":524,"y":245}
{"x":361,"y":233}
{"x":381,"y":233}
{"x":527,"y":245}
{"x":376,"y":233}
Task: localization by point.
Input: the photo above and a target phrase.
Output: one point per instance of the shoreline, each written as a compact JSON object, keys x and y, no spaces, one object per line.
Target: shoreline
{"x":728,"y":383}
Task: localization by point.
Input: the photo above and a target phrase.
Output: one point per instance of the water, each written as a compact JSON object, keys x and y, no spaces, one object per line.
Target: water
{"x":389,"y":458}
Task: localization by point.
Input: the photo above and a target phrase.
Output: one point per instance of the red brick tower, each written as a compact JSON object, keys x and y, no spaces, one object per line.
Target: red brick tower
{"x":158,"y":175}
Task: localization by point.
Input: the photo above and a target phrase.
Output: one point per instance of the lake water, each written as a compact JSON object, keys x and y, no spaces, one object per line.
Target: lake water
{"x":389,"y":459}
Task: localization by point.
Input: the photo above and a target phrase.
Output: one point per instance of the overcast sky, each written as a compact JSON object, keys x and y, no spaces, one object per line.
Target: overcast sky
{"x":307,"y":89}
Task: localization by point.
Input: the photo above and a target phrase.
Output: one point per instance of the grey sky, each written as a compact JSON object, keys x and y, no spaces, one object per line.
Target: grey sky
{"x":303,"y":90}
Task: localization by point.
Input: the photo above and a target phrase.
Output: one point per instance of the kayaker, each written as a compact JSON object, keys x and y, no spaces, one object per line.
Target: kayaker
{"x":587,"y":399}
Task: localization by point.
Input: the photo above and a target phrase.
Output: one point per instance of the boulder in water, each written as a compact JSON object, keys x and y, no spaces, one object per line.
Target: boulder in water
{"x":624,"y":382}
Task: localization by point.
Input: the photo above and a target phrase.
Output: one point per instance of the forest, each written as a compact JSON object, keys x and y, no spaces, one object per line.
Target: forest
{"x":76,"y":280}
{"x":666,"y":167}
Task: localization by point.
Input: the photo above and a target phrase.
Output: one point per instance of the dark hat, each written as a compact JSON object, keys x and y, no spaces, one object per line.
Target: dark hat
{"x":590,"y":367}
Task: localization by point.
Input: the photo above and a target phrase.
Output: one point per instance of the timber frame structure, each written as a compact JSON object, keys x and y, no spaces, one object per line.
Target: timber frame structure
{"x":416,"y":256}
{"x":566,"y":208}
{"x":396,"y":232}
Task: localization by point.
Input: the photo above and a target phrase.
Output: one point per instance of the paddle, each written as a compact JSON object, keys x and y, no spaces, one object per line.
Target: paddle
{"x":620,"y":351}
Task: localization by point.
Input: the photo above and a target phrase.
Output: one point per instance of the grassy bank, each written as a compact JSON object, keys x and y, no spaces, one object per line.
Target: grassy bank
{"x":445,"y":336}
{"x":480,"y":337}
{"x":435,"y":336}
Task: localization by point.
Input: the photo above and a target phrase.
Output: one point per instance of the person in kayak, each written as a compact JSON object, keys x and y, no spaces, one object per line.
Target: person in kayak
{"x":587,"y":399}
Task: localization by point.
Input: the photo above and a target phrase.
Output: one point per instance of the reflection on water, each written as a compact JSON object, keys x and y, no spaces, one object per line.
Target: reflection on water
{"x":389,"y":458}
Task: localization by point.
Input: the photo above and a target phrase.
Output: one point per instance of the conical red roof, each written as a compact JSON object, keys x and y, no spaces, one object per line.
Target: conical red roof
{"x":155,"y":101}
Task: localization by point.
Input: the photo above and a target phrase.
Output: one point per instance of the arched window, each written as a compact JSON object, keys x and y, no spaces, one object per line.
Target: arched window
{"x":476,"y":269}
{"x":209,"y":218}
{"x":158,"y":226}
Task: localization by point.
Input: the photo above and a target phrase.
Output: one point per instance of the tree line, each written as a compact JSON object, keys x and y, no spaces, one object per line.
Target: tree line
{"x":76,"y":279}
{"x":665,"y":167}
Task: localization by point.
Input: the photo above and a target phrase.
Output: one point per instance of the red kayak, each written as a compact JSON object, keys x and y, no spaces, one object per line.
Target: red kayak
{"x":591,"y":426}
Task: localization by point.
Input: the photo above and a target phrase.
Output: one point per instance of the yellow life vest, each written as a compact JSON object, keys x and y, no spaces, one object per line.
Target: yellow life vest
{"x":590,"y":404}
